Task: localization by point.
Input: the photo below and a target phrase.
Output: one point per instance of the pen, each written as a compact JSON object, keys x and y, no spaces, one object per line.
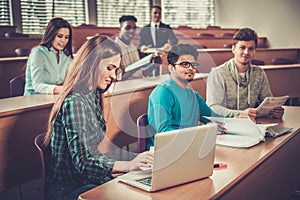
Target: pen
{"x":220,"y":165}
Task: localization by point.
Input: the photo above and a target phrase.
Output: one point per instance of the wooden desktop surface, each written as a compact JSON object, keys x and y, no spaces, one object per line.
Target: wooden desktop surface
{"x":10,"y":67}
{"x":195,"y":32}
{"x":21,"y":119}
{"x":269,"y":170}
{"x":81,"y":33}
{"x":284,"y":79}
{"x":9,"y":45}
{"x":209,"y":58}
{"x":7,"y":29}
{"x":214,"y":42}
{"x":127,"y":103}
{"x":24,"y":117}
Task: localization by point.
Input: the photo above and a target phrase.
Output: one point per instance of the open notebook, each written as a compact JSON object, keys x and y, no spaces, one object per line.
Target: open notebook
{"x":138,"y":64}
{"x":244,"y":133}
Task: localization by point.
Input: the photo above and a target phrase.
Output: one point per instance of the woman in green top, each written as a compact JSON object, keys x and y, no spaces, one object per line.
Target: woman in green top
{"x":48,"y":63}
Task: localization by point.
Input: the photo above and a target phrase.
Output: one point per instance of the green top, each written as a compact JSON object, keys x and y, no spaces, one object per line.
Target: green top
{"x":77,"y":132}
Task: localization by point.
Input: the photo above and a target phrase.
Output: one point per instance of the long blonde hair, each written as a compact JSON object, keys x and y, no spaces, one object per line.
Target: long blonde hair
{"x":84,"y":73}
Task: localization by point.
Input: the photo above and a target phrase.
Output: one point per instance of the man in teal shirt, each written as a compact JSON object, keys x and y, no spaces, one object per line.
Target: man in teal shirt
{"x":173,"y":104}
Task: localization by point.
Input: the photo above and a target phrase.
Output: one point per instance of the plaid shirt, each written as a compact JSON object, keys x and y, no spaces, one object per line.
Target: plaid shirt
{"x":77,"y":132}
{"x":130,"y":55}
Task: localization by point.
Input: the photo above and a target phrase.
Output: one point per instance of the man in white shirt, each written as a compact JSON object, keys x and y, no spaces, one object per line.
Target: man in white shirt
{"x":165,"y":35}
{"x":156,"y":35}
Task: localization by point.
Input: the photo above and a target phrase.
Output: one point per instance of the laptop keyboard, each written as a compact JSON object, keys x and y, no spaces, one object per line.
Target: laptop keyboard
{"x":145,"y":181}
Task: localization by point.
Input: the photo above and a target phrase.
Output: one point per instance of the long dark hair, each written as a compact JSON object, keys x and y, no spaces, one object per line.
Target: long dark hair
{"x":51,"y":31}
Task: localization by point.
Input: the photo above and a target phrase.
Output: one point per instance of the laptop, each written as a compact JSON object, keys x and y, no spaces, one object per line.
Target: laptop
{"x":180,"y":156}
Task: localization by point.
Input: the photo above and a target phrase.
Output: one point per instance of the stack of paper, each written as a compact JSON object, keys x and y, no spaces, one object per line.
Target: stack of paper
{"x":244,"y":133}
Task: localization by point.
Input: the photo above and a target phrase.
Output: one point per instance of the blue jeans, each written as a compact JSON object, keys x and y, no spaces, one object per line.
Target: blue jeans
{"x":60,"y":191}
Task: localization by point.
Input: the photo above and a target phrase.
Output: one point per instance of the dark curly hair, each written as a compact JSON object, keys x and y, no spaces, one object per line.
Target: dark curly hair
{"x":179,"y":50}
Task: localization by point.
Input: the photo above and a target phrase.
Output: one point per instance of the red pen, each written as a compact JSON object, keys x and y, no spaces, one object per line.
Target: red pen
{"x":220,"y":165}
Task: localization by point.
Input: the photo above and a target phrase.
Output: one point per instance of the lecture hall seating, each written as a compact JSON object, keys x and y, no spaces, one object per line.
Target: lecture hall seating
{"x":9,"y":45}
{"x":208,"y":58}
{"x":6,"y":29}
{"x":22,"y":118}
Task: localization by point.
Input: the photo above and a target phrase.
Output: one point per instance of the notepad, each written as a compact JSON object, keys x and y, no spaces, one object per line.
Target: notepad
{"x":268,"y":104}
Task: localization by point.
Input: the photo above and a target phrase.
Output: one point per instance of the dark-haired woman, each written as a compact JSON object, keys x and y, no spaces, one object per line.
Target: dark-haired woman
{"x":49,"y":62}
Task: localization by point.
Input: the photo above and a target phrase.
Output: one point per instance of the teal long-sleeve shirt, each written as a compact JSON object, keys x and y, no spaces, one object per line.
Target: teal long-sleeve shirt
{"x":43,"y":73}
{"x":172,"y":107}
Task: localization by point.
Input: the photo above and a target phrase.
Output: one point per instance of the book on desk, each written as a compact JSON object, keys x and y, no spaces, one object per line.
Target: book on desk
{"x":244,"y":133}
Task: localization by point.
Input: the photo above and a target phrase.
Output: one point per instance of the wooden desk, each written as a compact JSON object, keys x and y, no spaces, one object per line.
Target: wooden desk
{"x":81,"y":33}
{"x":284,"y":79}
{"x":214,"y":42}
{"x":209,"y":58}
{"x":6,"y":29}
{"x":24,"y":117}
{"x":21,"y":119}
{"x":269,"y":170}
{"x":193,"y":32}
{"x":9,"y":68}
{"x":128,"y":102}
{"x":8,"y":45}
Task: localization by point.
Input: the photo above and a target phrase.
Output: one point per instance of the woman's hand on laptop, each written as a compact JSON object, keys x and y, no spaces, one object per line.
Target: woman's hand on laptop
{"x":144,"y":160}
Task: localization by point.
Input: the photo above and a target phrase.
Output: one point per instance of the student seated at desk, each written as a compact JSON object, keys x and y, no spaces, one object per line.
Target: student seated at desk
{"x":236,"y":87}
{"x":173,"y":104}
{"x":76,"y":125}
{"x":130,"y":53}
{"x":49,"y":62}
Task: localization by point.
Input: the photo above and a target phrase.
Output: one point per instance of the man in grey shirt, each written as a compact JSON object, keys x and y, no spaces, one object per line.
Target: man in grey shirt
{"x":236,"y":87}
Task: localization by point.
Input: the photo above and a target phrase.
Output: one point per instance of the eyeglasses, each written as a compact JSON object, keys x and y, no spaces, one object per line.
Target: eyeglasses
{"x":186,"y":64}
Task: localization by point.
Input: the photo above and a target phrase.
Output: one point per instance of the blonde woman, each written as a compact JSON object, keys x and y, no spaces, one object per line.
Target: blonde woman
{"x":76,"y":125}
